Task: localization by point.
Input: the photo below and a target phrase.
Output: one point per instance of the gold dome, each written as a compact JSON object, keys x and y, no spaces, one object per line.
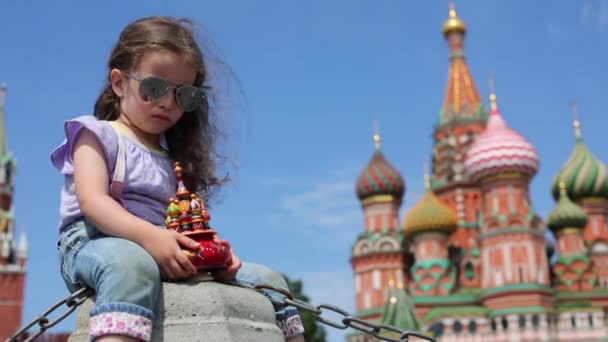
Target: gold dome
{"x":430,"y":215}
{"x":453,"y":24}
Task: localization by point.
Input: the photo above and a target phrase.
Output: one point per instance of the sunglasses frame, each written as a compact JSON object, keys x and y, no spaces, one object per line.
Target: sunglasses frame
{"x":170,"y":85}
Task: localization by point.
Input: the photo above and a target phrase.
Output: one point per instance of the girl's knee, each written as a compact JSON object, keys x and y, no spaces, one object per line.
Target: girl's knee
{"x":260,"y":274}
{"x":137,"y":268}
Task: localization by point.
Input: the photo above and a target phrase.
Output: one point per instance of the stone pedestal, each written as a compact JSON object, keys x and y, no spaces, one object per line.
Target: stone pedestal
{"x":203,"y":311}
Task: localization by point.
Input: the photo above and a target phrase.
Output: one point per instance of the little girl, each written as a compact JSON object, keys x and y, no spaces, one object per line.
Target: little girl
{"x":154,"y":110}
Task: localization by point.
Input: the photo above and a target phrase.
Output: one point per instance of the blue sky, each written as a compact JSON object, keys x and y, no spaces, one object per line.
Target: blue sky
{"x":308,"y":79}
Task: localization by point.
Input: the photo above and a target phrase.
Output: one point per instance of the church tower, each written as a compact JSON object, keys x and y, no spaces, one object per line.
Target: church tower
{"x":515,"y":269}
{"x":586,"y":183}
{"x":461,"y":119}
{"x":378,"y":254}
{"x":13,"y":257}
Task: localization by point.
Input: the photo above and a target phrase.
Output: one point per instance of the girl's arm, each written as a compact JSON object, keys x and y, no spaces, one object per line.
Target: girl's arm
{"x":92,"y":190}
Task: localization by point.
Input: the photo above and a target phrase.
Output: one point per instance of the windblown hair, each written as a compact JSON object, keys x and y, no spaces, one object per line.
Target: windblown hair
{"x":191,"y":141}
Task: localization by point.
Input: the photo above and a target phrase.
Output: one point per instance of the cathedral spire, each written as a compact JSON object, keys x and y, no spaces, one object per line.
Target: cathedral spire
{"x":377,"y":137}
{"x":462,"y":100}
{"x":576,"y":123}
{"x":493,"y":103}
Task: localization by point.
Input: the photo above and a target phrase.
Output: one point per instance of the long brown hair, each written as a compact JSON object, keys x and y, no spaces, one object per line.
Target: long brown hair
{"x":191,"y":141}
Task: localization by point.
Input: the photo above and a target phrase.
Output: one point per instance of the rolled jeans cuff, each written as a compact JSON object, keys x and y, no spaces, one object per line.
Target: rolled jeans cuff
{"x":290,"y":322}
{"x":121,"y":319}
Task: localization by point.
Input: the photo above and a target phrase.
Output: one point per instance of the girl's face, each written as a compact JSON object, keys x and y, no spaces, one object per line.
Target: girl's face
{"x":150,"y":118}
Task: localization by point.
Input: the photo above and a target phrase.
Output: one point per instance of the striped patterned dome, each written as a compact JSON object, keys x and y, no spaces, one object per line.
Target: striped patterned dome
{"x":566,"y":214}
{"x":430,"y":215}
{"x":380,"y":178}
{"x":584,"y":175}
{"x":500,"y":149}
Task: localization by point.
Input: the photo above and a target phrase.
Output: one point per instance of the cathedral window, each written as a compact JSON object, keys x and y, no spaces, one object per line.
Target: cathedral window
{"x":590,"y":318}
{"x":505,"y":323}
{"x":472,"y":327}
{"x":493,"y":325}
{"x":573,"y":321}
{"x":469,"y":271}
{"x":522,"y":321}
{"x":535,"y":321}
{"x":437,"y":329}
{"x":457,"y":327}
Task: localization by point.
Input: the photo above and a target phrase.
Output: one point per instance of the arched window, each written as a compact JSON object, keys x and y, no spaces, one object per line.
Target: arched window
{"x":535,"y":321}
{"x":590,"y":318}
{"x":573,"y":321}
{"x":493,"y":325}
{"x":457,"y":327}
{"x":472,"y":327}
{"x":522,"y":321}
{"x":437,"y":329}
{"x":469,"y":271}
{"x":505,"y":323}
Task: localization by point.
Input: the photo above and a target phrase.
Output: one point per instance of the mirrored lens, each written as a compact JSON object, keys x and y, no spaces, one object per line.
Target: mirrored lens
{"x":153,"y":88}
{"x":189,"y":98}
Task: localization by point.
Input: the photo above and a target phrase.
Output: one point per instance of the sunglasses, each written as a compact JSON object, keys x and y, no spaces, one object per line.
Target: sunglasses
{"x":154,"y":88}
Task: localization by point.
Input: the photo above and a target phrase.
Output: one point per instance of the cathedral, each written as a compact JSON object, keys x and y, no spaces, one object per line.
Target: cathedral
{"x":470,"y":261}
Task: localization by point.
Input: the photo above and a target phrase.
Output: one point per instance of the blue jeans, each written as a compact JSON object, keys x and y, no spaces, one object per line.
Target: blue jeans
{"x":127,"y":282}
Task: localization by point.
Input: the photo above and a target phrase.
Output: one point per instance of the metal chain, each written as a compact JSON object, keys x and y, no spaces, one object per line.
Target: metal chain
{"x":72,"y":301}
{"x":377,"y":330}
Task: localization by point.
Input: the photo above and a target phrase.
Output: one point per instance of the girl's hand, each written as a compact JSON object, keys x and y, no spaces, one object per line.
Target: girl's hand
{"x":165,"y":247}
{"x":229,"y":273}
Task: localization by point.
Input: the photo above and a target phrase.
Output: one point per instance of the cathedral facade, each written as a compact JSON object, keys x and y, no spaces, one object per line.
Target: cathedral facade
{"x":470,"y":262}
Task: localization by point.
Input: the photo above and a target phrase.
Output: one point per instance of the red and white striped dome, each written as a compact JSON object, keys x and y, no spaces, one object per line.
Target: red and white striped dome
{"x":500,"y":149}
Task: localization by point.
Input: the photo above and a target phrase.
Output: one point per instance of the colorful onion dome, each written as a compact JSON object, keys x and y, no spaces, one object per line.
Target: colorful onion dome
{"x":430,"y":215}
{"x":379,"y":177}
{"x":584,"y":175}
{"x":566,"y":214}
{"x":500,"y":149}
{"x":453,"y":24}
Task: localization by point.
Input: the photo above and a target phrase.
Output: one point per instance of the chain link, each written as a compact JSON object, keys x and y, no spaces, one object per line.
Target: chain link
{"x":379,"y":331}
{"x":72,"y":301}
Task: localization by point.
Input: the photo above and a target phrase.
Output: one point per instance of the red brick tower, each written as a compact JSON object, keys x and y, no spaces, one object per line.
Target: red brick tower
{"x":573,"y":269}
{"x":13,"y":259}
{"x":461,"y":119}
{"x":378,"y":255}
{"x":586,"y":182}
{"x":515,"y":269}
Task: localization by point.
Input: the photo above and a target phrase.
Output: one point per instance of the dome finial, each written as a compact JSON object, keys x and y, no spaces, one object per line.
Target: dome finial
{"x":452,"y":10}
{"x":493,"y":104}
{"x":453,"y":24}
{"x":377,"y":138}
{"x":576,"y":123}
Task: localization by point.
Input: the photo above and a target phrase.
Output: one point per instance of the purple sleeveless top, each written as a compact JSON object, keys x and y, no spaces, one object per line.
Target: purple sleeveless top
{"x":149,"y":179}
